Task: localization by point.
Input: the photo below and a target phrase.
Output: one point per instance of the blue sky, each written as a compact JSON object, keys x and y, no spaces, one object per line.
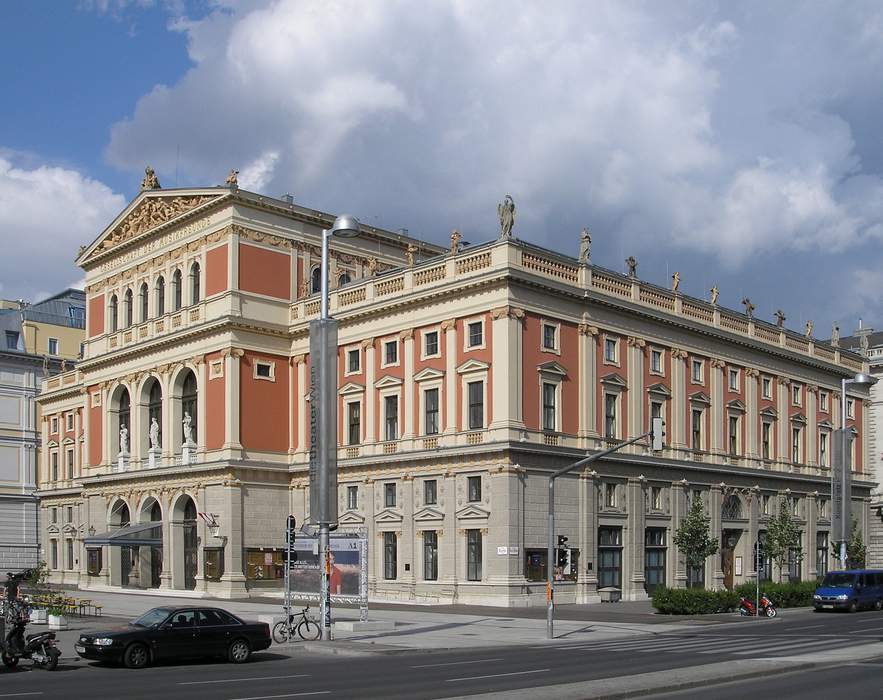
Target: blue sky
{"x":735,"y":143}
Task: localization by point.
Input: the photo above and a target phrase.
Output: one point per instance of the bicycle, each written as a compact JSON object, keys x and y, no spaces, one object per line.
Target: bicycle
{"x":307,"y":629}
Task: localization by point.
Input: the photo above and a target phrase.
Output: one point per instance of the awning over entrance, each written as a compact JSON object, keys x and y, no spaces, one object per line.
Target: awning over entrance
{"x":143,"y":535}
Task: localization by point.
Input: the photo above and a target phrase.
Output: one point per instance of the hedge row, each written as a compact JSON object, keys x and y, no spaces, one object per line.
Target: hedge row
{"x":693,"y":601}
{"x":784,"y":595}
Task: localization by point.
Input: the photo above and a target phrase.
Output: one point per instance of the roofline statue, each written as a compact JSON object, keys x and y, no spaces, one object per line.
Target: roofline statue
{"x":506,"y":211}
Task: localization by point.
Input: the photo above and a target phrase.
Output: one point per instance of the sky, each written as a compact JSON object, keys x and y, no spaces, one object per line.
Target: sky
{"x":735,"y":143}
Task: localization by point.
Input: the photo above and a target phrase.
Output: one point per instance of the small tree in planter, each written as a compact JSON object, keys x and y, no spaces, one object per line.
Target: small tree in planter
{"x":37,"y":587}
{"x":57,"y":620}
{"x":783,"y":538}
{"x":693,"y":539}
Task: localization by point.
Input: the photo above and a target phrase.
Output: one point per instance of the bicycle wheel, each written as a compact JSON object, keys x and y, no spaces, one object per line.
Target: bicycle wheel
{"x":308,"y":630}
{"x":280,"y":633}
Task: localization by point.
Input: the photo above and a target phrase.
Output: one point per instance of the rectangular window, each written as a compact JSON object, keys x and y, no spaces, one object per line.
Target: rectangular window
{"x":389,"y":495}
{"x":54,"y":515}
{"x":823,"y":449}
{"x":69,"y":514}
{"x":796,"y":394}
{"x":767,"y":387}
{"x":352,"y":497}
{"x":430,"y":344}
{"x":795,"y":506}
{"x":550,"y":411}
{"x":734,"y":435}
{"x":654,"y":558}
{"x":353,"y":360}
{"x":765,"y":504}
{"x":430,"y":555}
{"x":610,"y":416}
{"x":766,"y":439}
{"x":734,"y":379}
{"x":823,"y":508}
{"x":430,"y":412}
{"x":474,"y":488}
{"x":430,"y":492}
{"x":656,"y":361}
{"x":391,"y":352}
{"x":69,"y":465}
{"x":93,"y":561}
{"x":476,"y":334}
{"x":475,"y":392}
{"x":823,"y":401}
{"x":656,"y":497}
{"x":391,"y":413}
{"x":850,"y":408}
{"x":11,"y":340}
{"x":610,"y":495}
{"x":609,"y":350}
{"x":550,"y":336}
{"x":69,"y":418}
{"x":696,"y":371}
{"x":265,"y":564}
{"x":795,"y":445}
{"x":609,"y":557}
{"x":69,"y":554}
{"x":53,"y":553}
{"x":354,"y":422}
{"x":214,"y":563}
{"x":821,"y":554}
{"x":696,"y":428}
{"x":53,"y":346}
{"x":53,"y":425}
{"x":473,"y":555}
{"x":53,"y":461}
{"x":264,"y":370}
{"x":390,"y":556}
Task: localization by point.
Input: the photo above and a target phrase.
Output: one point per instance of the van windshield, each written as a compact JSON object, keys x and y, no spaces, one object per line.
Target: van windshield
{"x":838,"y":580}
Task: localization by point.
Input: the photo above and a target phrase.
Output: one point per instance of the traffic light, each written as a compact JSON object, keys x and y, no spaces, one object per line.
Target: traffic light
{"x":561,"y":560}
{"x":657,"y":434}
{"x":758,"y":551}
{"x":291,"y":529}
{"x":562,"y":541}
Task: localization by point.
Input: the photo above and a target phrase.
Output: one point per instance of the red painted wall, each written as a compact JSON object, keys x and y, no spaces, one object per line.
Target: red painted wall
{"x":604,"y":370}
{"x":263,"y":407}
{"x":264,"y":271}
{"x":216,"y":270}
{"x":484,"y":355}
{"x":95,"y":428}
{"x":215,"y":405}
{"x":534,"y":355}
{"x":95,"y":311}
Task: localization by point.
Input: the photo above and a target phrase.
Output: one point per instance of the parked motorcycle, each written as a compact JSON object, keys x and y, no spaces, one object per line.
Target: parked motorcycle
{"x":748,"y":609}
{"x":14,"y":644}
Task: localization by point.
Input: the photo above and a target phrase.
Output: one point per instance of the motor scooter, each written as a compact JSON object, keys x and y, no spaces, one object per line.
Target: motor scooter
{"x":14,"y":644}
{"x":747,"y":608}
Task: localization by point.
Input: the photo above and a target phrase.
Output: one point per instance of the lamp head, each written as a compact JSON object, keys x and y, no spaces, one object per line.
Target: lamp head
{"x":345,"y":226}
{"x":864,"y":379}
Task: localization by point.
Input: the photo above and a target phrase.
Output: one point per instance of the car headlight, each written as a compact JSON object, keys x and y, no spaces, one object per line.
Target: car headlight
{"x":103,"y":642}
{"x":843,"y":596}
{"x":817,"y":597}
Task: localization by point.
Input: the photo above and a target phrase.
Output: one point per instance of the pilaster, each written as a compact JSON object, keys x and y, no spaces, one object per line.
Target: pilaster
{"x":370,"y":391}
{"x":751,"y":414}
{"x":587,"y":339}
{"x":715,"y":498}
{"x":449,"y":328}
{"x":717,"y":406}
{"x":678,"y":415}
{"x":231,"y":395}
{"x":636,"y":396}
{"x":507,"y":352}
{"x":635,"y":549}
{"x":407,"y":338}
{"x":587,"y":576}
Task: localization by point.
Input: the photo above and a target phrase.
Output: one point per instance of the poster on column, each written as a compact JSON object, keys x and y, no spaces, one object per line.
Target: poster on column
{"x":349,"y":567}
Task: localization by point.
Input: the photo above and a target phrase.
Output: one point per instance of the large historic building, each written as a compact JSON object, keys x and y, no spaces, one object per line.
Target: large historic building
{"x":465,"y":376}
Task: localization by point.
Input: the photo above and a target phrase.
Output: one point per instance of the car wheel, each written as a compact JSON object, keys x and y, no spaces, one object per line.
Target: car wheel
{"x":136,"y":656}
{"x":239,"y":651}
{"x":853,"y":607}
{"x":878,"y":605}
{"x":10,"y":661}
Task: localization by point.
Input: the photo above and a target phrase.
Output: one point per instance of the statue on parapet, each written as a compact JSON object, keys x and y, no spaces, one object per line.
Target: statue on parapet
{"x":835,"y":335}
{"x":506,"y":211}
{"x":585,"y":247}
{"x":232,"y":180}
{"x":749,"y":307}
{"x":150,"y":181}
{"x":808,"y":329}
{"x":675,"y":281}
{"x":780,"y":318}
{"x":714,"y":294}
{"x":632,"y":266}
{"x":456,"y":237}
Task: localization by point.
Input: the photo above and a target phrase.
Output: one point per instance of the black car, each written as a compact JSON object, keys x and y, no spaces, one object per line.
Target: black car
{"x":176,"y":633}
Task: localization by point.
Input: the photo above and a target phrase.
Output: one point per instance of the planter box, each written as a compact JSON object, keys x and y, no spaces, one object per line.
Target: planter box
{"x":610,"y":594}
{"x":38,"y":616}
{"x":57,"y":622}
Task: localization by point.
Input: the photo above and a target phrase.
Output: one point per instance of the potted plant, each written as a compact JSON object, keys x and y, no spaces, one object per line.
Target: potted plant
{"x":57,"y":620}
{"x":37,"y":588}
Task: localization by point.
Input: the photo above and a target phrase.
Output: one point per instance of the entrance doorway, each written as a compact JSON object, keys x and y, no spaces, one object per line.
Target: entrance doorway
{"x":729,"y":541}
{"x":190,"y":545}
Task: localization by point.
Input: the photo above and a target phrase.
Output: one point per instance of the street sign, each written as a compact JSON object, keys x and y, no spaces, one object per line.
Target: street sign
{"x":323,"y":421}
{"x":841,"y":487}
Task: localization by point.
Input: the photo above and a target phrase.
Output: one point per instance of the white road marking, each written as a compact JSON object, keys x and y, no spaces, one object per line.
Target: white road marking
{"x":18,"y":695}
{"x":493,"y":675}
{"x":287,"y":695}
{"x":456,"y":663}
{"x":238,"y":680}
{"x":761,"y":648}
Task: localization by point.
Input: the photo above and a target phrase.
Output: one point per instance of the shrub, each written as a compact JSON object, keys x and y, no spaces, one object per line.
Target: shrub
{"x":797,"y":594}
{"x":693,"y":601}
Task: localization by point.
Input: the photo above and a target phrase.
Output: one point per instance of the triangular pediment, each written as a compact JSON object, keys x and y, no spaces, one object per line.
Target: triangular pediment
{"x":351,"y":517}
{"x":388,"y":516}
{"x":53,"y":529}
{"x":69,"y":528}
{"x":473,"y":366}
{"x":428,"y":514}
{"x":387,"y":381}
{"x":552,"y":368}
{"x":150,"y":210}
{"x":472,"y":512}
{"x":828,"y":425}
{"x":659,"y":389}
{"x":736,"y":405}
{"x":428,"y":373}
{"x":769,"y":412}
{"x":613,"y":379}
{"x":798,"y":418}
{"x":700,"y":397}
{"x":351,"y":388}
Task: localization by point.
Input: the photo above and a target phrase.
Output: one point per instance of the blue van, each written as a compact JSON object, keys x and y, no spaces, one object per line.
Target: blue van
{"x":850,"y":590}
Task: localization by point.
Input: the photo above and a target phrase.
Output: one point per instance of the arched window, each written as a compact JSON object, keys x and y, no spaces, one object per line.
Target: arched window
{"x":114,"y":314}
{"x":155,"y":512}
{"x":119,"y":514}
{"x":176,"y":290}
{"x":315,"y":281}
{"x":732,"y":508}
{"x":125,"y":411}
{"x":154,"y":409}
{"x":144,"y":300}
{"x":160,"y":296}
{"x":128,"y":310}
{"x":344,"y":279}
{"x":194,"y":283}
{"x":188,"y":402}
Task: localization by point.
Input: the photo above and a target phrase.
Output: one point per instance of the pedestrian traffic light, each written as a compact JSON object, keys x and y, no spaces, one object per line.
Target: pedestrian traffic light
{"x":657,"y":434}
{"x":562,"y":541}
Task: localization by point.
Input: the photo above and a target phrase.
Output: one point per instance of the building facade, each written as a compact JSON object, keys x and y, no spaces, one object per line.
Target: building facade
{"x":465,"y":377}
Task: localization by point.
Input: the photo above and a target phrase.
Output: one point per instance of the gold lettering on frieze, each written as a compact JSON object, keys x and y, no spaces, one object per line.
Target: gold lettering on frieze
{"x":152,"y":245}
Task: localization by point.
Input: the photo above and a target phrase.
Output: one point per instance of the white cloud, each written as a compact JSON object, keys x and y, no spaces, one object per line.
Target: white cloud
{"x":46,"y":213}
{"x":257,"y":174}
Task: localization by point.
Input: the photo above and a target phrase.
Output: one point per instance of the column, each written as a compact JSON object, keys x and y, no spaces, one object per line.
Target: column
{"x":715,"y":498}
{"x":168,"y":427}
{"x":447,"y":545}
{"x":635,"y":535}
{"x":808,"y":567}
{"x":587,"y":578}
{"x":370,"y":392}
{"x":373,"y":572}
{"x":406,"y":543}
{"x":636,"y":396}
{"x":165,"y":577}
{"x":201,"y":372}
{"x":506,"y":334}
{"x":449,"y":328}
{"x":231,"y":397}
{"x":303,"y":410}
{"x":505,"y":489}
{"x":678,"y":416}
{"x":234,"y":576}
{"x":292,"y":403}
{"x":232,"y":275}
{"x":106,"y":450}
{"x":783,"y":441}
{"x":751,"y":414}
{"x":407,"y":338}
{"x":587,"y":381}
{"x":753,"y":517}
{"x":716,"y":386}
{"x":812,"y":425}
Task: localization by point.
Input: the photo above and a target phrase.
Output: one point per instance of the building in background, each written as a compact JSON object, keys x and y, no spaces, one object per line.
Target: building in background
{"x":466,"y":376}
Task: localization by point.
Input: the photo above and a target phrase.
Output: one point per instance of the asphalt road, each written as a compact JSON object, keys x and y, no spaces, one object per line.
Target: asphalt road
{"x":459,"y":672}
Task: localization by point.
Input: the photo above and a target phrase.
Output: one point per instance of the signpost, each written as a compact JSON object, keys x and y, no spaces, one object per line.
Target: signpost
{"x":841,"y":490}
{"x":290,"y":558}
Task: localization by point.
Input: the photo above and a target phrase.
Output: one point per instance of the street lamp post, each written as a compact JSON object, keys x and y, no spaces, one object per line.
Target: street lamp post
{"x":344,"y":227}
{"x":860,"y":379}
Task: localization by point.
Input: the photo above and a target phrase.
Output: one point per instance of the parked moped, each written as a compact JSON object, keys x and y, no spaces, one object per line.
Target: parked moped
{"x":14,"y":644}
{"x":747,"y":607}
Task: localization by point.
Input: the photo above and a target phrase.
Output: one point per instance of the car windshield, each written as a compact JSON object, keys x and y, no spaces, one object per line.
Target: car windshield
{"x":152,"y":617}
{"x":838,"y":580}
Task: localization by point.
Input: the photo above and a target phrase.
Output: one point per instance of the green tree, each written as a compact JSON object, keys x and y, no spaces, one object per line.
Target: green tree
{"x":693,"y":539}
{"x":782,"y":543}
{"x":855,"y":548}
